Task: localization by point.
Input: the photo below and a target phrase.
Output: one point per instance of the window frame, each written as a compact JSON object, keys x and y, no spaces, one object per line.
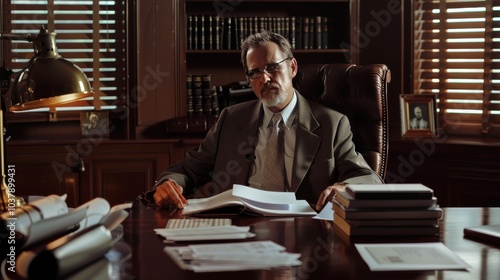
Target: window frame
{"x":442,"y":83}
{"x":108,"y":54}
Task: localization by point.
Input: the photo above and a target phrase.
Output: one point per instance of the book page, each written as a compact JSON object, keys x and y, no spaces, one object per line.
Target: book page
{"x":253,"y":194}
{"x":326,"y":213}
{"x":299,"y":208}
{"x":202,"y":204}
{"x":254,"y":200}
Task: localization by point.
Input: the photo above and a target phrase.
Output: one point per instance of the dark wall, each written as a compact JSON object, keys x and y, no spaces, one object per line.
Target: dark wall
{"x":380,"y":41}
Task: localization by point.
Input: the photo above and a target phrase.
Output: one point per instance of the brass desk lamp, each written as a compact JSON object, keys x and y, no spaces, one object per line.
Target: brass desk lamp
{"x":47,"y":81}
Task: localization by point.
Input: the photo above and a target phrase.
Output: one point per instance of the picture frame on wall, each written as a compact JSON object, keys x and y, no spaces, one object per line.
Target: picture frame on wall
{"x":94,"y":124}
{"x":418,"y":115}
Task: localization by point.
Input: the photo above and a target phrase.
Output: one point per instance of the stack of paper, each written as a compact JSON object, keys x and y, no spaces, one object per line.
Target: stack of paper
{"x":226,"y":232}
{"x":232,"y":256}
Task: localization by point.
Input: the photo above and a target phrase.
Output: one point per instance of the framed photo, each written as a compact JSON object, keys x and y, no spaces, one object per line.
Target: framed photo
{"x":418,"y":115}
{"x":94,"y":124}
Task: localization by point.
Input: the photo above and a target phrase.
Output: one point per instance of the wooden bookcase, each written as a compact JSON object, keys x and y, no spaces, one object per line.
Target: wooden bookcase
{"x":224,"y":64}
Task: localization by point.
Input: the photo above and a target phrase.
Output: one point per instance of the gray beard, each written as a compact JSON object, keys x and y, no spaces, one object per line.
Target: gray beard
{"x":275,"y":100}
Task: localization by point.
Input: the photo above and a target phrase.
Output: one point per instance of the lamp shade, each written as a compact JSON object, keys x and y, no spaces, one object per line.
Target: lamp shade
{"x":48,"y":79}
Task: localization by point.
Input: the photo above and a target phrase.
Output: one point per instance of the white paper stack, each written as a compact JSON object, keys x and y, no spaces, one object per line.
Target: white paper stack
{"x":225,"y":232}
{"x":232,"y":256}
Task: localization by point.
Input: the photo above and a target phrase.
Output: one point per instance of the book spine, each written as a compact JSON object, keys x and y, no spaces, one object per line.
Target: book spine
{"x":243,"y":30}
{"x":197,"y":95}
{"x":256,"y":27}
{"x":298,"y":33}
{"x":229,"y":33}
{"x":305,"y":33}
{"x":196,"y":33}
{"x":215,"y":102}
{"x":312,"y":33}
{"x":189,"y":33}
{"x":189,"y":95}
{"x":281,"y":29}
{"x":236,"y":35}
{"x":217,"y":32}
{"x":325,"y":30}
{"x":202,"y":32}
{"x":319,"y":35}
{"x":222,"y":32}
{"x":210,"y":32}
{"x":206,"y":87}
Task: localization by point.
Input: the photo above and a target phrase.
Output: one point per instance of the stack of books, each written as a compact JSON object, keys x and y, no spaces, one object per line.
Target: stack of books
{"x":212,"y":32}
{"x":201,"y":96}
{"x":387,"y":209}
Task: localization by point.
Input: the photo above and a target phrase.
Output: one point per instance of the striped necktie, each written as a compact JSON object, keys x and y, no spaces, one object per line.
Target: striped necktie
{"x":273,"y":176}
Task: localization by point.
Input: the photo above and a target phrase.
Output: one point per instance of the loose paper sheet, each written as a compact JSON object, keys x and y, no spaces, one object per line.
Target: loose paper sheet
{"x":232,"y":256}
{"x":410,"y":256}
{"x":326,"y":213}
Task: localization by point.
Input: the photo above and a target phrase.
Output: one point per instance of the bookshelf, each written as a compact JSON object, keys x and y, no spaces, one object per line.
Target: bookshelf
{"x":211,"y":53}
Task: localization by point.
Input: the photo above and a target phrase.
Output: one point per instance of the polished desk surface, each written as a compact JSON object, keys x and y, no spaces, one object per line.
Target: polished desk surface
{"x":325,"y":254}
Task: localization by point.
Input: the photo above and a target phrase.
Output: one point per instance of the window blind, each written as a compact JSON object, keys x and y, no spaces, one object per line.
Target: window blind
{"x":456,"y":57}
{"x":90,"y":34}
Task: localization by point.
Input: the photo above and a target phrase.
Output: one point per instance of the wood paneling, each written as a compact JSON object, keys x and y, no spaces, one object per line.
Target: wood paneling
{"x":116,"y":170}
{"x":461,"y":173}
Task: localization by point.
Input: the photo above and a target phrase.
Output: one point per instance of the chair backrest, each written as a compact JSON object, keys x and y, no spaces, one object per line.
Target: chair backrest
{"x":360,"y":93}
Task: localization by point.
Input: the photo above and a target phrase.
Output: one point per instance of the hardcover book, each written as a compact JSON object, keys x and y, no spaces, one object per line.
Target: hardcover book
{"x":389,"y":222}
{"x":388,"y":230}
{"x":387,"y":213}
{"x":348,"y":201}
{"x":486,"y":233}
{"x":390,"y":191}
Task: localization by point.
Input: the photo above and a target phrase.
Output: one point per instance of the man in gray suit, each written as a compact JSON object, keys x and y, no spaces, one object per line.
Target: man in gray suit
{"x":319,"y":152}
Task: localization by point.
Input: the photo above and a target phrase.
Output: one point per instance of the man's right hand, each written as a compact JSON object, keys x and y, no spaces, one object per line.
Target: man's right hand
{"x":169,"y":193}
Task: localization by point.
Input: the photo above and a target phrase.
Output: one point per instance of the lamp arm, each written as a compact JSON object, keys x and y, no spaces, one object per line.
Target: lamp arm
{"x":28,"y":37}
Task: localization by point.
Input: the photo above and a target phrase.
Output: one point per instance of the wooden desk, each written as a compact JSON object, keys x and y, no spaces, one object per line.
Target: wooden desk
{"x":325,"y":254}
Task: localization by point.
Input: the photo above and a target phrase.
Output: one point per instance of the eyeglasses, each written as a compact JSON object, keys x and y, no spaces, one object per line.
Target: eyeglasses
{"x":269,"y":69}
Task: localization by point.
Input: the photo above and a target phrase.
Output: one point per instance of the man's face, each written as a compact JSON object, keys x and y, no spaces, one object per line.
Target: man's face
{"x":418,"y":112}
{"x":275,"y":90}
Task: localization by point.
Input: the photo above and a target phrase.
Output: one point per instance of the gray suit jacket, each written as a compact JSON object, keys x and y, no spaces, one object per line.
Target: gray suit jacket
{"x":324,"y":152}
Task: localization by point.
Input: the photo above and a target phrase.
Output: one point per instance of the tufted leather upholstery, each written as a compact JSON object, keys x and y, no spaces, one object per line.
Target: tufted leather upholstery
{"x":359,"y":92}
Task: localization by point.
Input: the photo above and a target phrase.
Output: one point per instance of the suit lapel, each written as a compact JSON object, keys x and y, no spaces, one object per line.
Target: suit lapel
{"x":307,"y":143}
{"x":247,"y":137}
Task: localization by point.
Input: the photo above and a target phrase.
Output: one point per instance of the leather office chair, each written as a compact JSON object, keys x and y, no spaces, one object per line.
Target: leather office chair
{"x":360,"y":93}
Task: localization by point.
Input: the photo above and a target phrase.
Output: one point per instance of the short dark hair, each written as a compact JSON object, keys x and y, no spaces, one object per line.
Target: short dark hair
{"x":260,"y":39}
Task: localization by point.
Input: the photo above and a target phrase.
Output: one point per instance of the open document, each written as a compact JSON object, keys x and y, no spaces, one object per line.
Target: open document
{"x":410,"y":256}
{"x":243,"y":199}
